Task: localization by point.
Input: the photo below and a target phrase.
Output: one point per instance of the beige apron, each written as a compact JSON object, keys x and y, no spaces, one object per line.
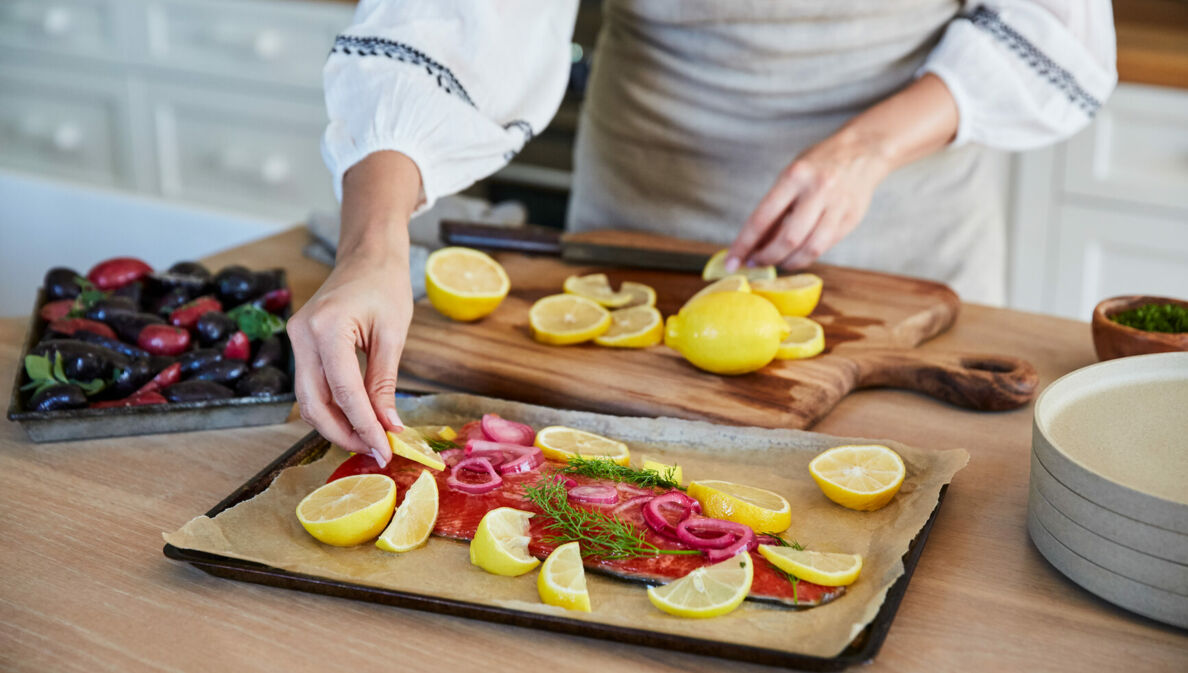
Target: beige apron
{"x":694,"y":107}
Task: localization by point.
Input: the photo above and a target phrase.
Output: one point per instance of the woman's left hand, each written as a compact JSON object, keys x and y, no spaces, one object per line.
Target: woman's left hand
{"x":818,"y":199}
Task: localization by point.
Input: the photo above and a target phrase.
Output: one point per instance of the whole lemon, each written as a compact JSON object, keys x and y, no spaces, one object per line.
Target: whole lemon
{"x":727,"y":332}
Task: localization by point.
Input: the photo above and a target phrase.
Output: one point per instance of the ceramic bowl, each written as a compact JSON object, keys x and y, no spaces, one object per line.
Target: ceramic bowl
{"x":1114,"y":340}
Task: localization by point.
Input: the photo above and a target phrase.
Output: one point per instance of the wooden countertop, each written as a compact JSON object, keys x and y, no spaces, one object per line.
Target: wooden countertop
{"x":86,"y":587}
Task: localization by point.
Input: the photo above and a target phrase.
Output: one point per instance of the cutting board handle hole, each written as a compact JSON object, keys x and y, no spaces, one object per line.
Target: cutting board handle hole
{"x":988,"y":365}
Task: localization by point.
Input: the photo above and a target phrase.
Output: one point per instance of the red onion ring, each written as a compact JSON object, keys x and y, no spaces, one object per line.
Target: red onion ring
{"x":742,"y":544}
{"x":477,"y":464}
{"x":629,"y":503}
{"x":499,"y":429}
{"x":657,"y":521}
{"x":472,"y":430}
{"x":452,"y":456}
{"x":688,"y":531}
{"x":600,"y":494}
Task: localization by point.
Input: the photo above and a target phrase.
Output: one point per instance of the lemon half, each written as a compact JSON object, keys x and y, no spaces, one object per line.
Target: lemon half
{"x":563,"y":319}
{"x":464,"y":284}
{"x":348,"y":511}
{"x":863,"y":477}
{"x":792,"y":295}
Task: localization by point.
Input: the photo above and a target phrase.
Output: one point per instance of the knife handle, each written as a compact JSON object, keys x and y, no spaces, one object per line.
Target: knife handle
{"x":528,"y":238}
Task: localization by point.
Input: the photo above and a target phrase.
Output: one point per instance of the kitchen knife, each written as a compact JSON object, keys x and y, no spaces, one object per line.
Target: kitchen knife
{"x":606,"y":247}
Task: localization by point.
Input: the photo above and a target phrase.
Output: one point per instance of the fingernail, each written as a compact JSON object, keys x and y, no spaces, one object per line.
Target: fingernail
{"x":731,"y":264}
{"x":752,"y":263}
{"x":379,"y":458}
{"x":394,"y":419}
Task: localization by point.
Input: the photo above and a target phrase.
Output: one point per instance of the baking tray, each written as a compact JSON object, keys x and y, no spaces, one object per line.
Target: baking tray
{"x":65,"y":424}
{"x":313,"y":446}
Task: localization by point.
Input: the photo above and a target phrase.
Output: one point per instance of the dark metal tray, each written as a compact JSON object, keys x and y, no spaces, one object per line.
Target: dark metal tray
{"x":56,"y":426}
{"x":311,"y":447}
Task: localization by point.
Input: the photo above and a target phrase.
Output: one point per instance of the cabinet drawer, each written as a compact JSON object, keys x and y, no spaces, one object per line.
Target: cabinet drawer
{"x":84,"y":27}
{"x":270,"y":41}
{"x":64,"y":125}
{"x":1136,"y":150}
{"x":240,"y":151}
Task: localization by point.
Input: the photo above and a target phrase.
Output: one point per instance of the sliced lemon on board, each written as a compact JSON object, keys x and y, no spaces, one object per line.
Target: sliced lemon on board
{"x":663,"y":468}
{"x":637,"y":327}
{"x":715,"y":268}
{"x":732,"y":283}
{"x":762,"y":510}
{"x":596,"y":287}
{"x":563,"y":319}
{"x":792,"y":295}
{"x":562,"y":579}
{"x":641,"y":295}
{"x":805,"y":339}
{"x":500,"y":545}
{"x":464,"y":284}
{"x":709,"y":591}
{"x":818,"y":567}
{"x":414,"y":519}
{"x":558,"y":442}
{"x":409,"y":443}
{"x":863,"y":477}
{"x":348,"y":511}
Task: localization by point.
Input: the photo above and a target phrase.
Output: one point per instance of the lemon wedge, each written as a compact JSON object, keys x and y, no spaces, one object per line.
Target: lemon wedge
{"x":596,"y":287}
{"x":709,"y":591}
{"x":562,"y":579}
{"x":637,"y":327}
{"x":662,"y":469}
{"x":818,"y":567}
{"x":762,"y":510}
{"x":641,"y":295}
{"x":726,"y":332}
{"x":409,"y":443}
{"x":560,"y":443}
{"x":863,"y":477}
{"x":464,"y":284}
{"x":715,"y":268}
{"x":792,"y":295}
{"x":563,"y":319}
{"x":805,"y":339}
{"x":442,"y":432}
{"x":348,"y":511}
{"x":500,"y":545}
{"x":732,"y":283}
{"x":415,"y":517}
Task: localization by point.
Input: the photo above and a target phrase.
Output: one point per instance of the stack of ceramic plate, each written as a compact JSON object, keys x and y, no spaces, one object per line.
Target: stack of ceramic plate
{"x":1109,"y":482}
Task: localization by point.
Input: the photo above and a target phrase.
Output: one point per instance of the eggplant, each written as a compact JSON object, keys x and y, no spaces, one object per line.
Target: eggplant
{"x":269,"y":352}
{"x":83,"y":361}
{"x":103,"y":309}
{"x":159,"y":362}
{"x":235,"y":285}
{"x":192,"y":269}
{"x":268,"y":280}
{"x":226,"y":372}
{"x":192,"y":285}
{"x":166,"y":303}
{"x":128,"y":380}
{"x":213,"y":327}
{"x":196,"y":360}
{"x":129,"y":325}
{"x":132,"y":291}
{"x":263,"y":382}
{"x":61,"y":283}
{"x":197,"y":391}
{"x":118,"y":346}
{"x":60,"y":396}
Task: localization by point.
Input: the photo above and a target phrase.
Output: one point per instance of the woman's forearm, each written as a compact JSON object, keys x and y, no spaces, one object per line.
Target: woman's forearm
{"x":909,"y":125}
{"x":379,"y":195}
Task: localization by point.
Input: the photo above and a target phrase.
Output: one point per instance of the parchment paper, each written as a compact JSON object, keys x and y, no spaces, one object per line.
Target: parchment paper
{"x":265,"y":528}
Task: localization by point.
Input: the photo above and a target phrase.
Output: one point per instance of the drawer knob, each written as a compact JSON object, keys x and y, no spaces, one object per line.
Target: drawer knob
{"x":67,"y":137}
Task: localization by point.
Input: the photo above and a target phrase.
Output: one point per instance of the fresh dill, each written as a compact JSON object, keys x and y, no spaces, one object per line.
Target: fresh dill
{"x":603,"y":468}
{"x":781,"y":542}
{"x":599,"y":534}
{"x":440,"y":445}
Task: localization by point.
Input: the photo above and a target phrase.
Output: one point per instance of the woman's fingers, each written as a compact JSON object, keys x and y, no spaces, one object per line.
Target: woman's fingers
{"x":794,"y":230}
{"x":766,"y":216}
{"x":314,"y":401}
{"x":823,"y":237}
{"x":384,"y":347}
{"x":337,"y":351}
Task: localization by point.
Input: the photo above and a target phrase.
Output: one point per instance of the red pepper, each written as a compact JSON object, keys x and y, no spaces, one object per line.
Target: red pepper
{"x":164,"y":378}
{"x":69,"y":326}
{"x":163,"y":339}
{"x":276,"y":300}
{"x":238,"y":347}
{"x":56,"y":310}
{"x":136,"y":399}
{"x":187,"y":314}
{"x":118,"y":272}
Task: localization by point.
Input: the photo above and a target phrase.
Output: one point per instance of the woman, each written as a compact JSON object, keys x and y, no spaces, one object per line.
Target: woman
{"x":694,"y":108}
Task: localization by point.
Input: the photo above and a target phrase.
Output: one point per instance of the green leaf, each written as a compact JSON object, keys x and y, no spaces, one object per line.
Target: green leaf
{"x":59,"y":374}
{"x":94,"y":387}
{"x":255,"y":322}
{"x":89,"y":295}
{"x":37,"y":367}
{"x":440,"y":445}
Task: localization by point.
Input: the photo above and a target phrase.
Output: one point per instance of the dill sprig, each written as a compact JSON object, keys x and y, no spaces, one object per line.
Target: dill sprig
{"x":599,"y":534}
{"x":781,"y":542}
{"x":440,"y":445}
{"x":603,"y":468}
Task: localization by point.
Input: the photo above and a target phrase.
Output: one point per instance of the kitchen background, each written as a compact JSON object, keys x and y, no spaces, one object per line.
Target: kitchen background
{"x":170,"y":129}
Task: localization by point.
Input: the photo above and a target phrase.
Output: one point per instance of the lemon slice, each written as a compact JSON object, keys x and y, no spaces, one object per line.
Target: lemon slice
{"x":596,"y":287}
{"x":637,"y":327}
{"x":500,"y":545}
{"x":818,"y":567}
{"x":563,"y":319}
{"x":641,"y":295}
{"x":805,"y":339}
{"x":732,"y":283}
{"x":348,"y":511}
{"x":715,"y":268}
{"x":709,"y":591}
{"x":464,"y":284}
{"x":558,"y":442}
{"x":562,"y":579}
{"x":414,"y":518}
{"x":792,"y":295}
{"x":662,"y":469}
{"x":859,"y":477}
{"x":409,"y":443}
{"x":758,"y":508}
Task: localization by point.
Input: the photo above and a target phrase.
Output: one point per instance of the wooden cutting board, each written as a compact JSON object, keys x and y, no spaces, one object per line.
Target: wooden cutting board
{"x":872,"y":323}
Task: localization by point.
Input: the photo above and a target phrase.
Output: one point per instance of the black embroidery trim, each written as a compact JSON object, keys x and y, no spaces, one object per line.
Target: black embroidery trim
{"x":376,"y":46}
{"x":988,"y":20}
{"x":524,"y":128}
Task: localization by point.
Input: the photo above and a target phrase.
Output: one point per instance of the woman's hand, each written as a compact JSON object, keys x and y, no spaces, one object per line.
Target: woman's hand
{"x":823,"y":195}
{"x":365,"y":304}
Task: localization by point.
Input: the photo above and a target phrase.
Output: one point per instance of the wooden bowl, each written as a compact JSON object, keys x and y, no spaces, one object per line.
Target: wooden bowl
{"x":1115,"y":340}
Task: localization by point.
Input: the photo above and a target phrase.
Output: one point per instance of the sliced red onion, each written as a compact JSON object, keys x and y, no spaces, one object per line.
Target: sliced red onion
{"x":634,"y":490}
{"x":569,"y":482}
{"x":660,"y":523}
{"x":600,"y":494}
{"x":622,"y":507}
{"x":477,"y":464}
{"x":452,"y":456}
{"x":742,"y":544}
{"x":529,"y":459}
{"x":690,"y":532}
{"x":689,"y":500}
{"x":472,"y":430}
{"x":502,"y":430}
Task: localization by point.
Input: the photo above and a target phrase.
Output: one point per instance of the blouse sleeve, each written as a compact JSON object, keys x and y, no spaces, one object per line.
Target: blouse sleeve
{"x":458,"y":86}
{"x":1026,"y":73}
